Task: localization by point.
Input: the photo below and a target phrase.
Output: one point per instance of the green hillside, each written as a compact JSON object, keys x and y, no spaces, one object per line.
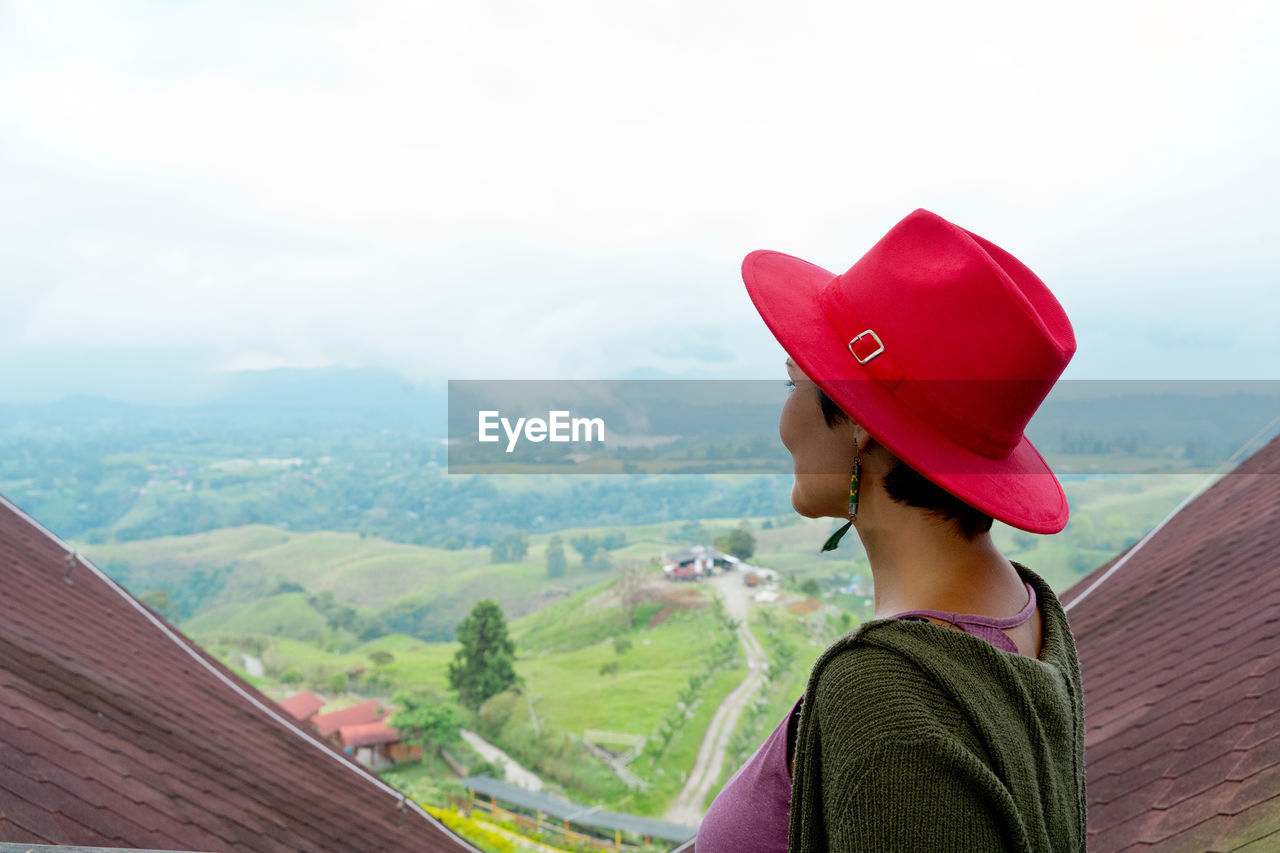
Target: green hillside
{"x":1107,"y":514}
{"x":561,"y":651}
{"x":428,"y":588}
{"x":286,"y":616}
{"x":301,"y":603}
{"x":241,"y":567}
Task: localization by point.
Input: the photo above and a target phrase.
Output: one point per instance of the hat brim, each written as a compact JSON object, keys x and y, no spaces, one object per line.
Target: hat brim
{"x":1020,"y":490}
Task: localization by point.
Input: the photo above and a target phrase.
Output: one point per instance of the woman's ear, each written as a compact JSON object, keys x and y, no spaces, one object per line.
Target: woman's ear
{"x":863,"y":437}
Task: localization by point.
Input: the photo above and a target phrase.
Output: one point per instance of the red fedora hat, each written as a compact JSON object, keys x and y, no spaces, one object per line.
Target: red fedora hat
{"x":942,"y":346}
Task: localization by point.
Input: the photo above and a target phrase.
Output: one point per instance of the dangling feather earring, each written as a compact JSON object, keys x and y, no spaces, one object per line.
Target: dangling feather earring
{"x":854,"y":483}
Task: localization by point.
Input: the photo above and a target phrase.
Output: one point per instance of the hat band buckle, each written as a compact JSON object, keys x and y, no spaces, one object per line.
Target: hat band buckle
{"x":879,"y":346}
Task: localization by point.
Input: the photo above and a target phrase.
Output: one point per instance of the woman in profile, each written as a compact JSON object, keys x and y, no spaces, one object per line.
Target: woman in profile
{"x":954,"y":719}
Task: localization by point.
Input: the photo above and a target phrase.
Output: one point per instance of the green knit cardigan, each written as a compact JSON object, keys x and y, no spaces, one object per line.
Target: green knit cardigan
{"x":914,"y":736}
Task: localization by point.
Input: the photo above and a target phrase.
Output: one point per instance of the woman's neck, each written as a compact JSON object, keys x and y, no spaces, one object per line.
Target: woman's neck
{"x":919,"y":562}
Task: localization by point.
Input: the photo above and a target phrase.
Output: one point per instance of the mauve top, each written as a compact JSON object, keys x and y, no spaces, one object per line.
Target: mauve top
{"x":752,"y":811}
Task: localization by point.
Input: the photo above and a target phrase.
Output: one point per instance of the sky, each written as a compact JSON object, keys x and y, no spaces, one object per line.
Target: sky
{"x":565,"y":190}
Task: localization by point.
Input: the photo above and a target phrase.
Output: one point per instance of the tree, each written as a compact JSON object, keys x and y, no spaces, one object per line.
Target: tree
{"x":586,"y":546}
{"x":485,"y":767}
{"x":426,"y":721}
{"x":1081,"y":531}
{"x":1081,"y":562}
{"x":418,"y":615}
{"x":784,"y":656}
{"x":741,"y":543}
{"x":614,"y":541}
{"x":810,"y":588}
{"x":160,"y":601}
{"x":556,"y":560}
{"x":600,"y":561}
{"x":344,"y":617}
{"x":1024,"y":541}
{"x":690,"y":531}
{"x":631,"y":593}
{"x":511,"y":548}
{"x":484,"y":665}
{"x":1114,"y":530}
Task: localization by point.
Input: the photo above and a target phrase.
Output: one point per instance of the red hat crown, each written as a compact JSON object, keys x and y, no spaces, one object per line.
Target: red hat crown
{"x":960,"y":331}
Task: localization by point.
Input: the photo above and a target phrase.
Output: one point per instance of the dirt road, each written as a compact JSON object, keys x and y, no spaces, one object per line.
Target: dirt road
{"x":515,"y":774}
{"x":690,"y":804}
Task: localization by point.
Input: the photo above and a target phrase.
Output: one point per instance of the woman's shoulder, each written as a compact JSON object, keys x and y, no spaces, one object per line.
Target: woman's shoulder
{"x":873,"y":687}
{"x":874,"y":650}
{"x":861,"y":666}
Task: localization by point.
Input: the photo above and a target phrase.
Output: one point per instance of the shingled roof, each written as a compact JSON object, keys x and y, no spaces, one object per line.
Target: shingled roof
{"x":302,"y":706}
{"x":117,"y":731}
{"x":368,"y":734}
{"x":1179,"y":642}
{"x":368,"y":711}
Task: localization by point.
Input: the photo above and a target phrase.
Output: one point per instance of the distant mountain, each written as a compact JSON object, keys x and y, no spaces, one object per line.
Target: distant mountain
{"x":326,"y":389}
{"x":283,"y":397}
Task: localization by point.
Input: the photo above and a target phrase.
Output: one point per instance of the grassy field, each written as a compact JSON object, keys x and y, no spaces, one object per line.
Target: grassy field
{"x":287,"y":616}
{"x":568,"y":690}
{"x":560,"y":651}
{"x":368,"y":572}
{"x":678,"y":762}
{"x":565,"y":628}
{"x":365,"y":571}
{"x":414,"y":664}
{"x":1106,"y":514}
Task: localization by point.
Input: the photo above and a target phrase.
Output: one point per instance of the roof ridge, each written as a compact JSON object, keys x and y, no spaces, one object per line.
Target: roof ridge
{"x":1204,"y":486}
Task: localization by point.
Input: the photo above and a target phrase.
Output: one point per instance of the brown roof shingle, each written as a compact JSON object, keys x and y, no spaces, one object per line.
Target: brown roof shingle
{"x":118,"y":731}
{"x":1180,"y":659}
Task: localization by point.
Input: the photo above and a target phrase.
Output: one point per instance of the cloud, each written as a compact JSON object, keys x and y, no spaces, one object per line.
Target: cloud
{"x":504,"y":189}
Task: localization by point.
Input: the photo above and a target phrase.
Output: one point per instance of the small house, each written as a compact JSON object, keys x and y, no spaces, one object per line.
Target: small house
{"x":302,"y":706}
{"x":376,"y":745}
{"x":369,"y":711}
{"x":690,"y":563}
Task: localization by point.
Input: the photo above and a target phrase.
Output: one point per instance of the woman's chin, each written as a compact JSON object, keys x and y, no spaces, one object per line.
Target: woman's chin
{"x":803,"y":507}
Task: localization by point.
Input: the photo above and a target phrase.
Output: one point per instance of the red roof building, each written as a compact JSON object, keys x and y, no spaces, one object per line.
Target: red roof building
{"x":302,"y":706}
{"x":367,"y":734}
{"x":1179,"y":642}
{"x":119,"y":732}
{"x":376,"y":745}
{"x":369,"y":711}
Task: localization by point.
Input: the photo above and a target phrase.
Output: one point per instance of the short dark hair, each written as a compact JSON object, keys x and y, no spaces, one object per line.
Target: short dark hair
{"x":908,"y":487}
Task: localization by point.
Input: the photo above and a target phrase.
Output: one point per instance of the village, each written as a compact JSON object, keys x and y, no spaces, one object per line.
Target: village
{"x":363,"y":730}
